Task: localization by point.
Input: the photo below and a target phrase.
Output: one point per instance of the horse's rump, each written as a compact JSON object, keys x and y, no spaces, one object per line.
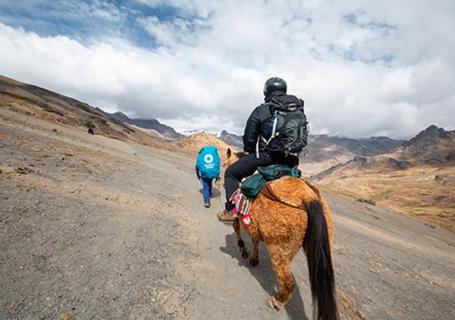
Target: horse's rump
{"x":284,"y":203}
{"x":280,"y":210}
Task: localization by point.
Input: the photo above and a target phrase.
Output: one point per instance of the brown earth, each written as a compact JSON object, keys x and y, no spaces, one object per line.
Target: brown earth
{"x":422,"y":191}
{"x":193,"y":143}
{"x":93,"y":227}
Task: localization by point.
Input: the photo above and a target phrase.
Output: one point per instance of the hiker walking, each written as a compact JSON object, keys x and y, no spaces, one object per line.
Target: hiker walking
{"x":275,"y":133}
{"x":207,"y":169}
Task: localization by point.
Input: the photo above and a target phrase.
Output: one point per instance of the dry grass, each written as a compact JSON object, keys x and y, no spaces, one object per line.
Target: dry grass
{"x":424,"y":192}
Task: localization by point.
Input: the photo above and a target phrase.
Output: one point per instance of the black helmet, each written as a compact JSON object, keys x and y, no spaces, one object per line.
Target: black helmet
{"x":274,"y":84}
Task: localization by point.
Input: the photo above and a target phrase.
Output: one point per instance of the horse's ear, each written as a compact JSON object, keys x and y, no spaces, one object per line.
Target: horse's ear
{"x":229,"y":152}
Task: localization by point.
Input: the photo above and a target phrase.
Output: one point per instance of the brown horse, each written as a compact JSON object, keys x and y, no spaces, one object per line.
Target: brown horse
{"x":295,"y":216}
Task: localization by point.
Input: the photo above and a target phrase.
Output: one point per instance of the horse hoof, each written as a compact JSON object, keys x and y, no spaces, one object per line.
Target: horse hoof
{"x":244,"y":254}
{"x":274,"y":304}
{"x":254,"y":262}
{"x":240,"y":243}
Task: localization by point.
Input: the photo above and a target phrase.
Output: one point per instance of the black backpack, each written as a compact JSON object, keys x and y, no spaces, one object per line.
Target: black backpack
{"x":289,"y":134}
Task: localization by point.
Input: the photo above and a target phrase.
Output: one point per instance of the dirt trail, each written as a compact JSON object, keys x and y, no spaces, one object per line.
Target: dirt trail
{"x":103,"y":229}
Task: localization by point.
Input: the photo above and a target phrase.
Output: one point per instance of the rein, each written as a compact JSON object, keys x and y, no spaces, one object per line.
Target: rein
{"x":268,"y":193}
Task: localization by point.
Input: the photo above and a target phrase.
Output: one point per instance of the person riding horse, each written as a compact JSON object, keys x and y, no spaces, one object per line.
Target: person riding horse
{"x":259,"y":130}
{"x":289,"y":213}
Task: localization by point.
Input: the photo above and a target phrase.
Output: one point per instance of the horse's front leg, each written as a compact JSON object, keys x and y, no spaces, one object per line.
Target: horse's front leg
{"x":254,"y":260}
{"x":240,"y":241}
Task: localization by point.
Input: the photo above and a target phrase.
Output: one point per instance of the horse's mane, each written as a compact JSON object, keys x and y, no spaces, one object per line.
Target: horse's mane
{"x":240,"y":154}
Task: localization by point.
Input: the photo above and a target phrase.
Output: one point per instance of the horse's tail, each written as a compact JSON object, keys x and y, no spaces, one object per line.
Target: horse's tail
{"x":322,"y":278}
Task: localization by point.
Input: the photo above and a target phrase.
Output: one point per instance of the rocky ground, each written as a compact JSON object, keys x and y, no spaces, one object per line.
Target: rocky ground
{"x":98,"y":228}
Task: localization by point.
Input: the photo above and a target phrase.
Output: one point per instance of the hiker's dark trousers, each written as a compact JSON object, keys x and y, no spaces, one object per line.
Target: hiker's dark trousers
{"x":206,"y":189}
{"x":246,"y":166}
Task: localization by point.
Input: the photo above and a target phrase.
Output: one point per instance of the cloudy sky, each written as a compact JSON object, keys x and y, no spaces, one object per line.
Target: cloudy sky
{"x":363,"y":68}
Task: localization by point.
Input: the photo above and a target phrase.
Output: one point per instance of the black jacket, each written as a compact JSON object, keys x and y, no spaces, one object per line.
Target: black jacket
{"x":260,"y":121}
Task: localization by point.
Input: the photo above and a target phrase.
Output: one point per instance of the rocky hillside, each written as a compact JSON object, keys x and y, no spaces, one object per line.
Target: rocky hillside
{"x":59,"y":109}
{"x":432,"y":146}
{"x":152,"y":124}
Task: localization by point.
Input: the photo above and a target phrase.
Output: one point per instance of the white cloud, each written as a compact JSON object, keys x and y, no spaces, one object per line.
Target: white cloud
{"x":363,"y":69}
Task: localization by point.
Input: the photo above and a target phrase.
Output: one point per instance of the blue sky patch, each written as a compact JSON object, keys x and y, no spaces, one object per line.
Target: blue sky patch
{"x":88,"y":20}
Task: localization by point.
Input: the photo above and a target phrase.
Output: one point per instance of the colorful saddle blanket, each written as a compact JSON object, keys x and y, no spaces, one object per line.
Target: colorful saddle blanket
{"x":242,"y":207}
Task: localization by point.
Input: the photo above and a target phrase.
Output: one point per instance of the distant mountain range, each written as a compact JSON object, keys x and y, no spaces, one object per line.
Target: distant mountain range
{"x":417,"y":179}
{"x":364,"y":146}
{"x":231,"y":139}
{"x":153,"y":124}
{"x":320,"y":145}
{"x":431,"y":146}
{"x":326,"y":154}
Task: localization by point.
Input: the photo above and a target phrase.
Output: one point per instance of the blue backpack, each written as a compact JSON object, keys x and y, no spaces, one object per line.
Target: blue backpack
{"x":208,"y":162}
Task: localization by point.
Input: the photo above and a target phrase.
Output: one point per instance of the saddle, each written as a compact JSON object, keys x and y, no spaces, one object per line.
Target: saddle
{"x":253,"y":185}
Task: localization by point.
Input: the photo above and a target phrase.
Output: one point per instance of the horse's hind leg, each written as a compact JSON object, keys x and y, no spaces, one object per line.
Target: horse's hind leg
{"x":281,"y":262}
{"x":240,"y":241}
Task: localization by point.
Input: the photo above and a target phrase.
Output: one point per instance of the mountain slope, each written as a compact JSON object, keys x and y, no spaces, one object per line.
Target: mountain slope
{"x":432,"y":146}
{"x":153,"y":124}
{"x":46,"y":105}
{"x":193,"y":143}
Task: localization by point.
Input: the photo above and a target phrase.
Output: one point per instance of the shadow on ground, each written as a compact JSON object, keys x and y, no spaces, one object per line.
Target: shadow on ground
{"x":265,"y":275}
{"x":215,"y":192}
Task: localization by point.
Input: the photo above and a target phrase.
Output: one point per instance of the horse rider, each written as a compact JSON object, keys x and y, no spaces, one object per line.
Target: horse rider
{"x":258,"y":130}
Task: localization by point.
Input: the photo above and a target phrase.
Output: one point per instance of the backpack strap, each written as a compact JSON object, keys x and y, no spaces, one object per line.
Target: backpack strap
{"x":257,"y":147}
{"x":273,"y":111}
{"x":274,"y":133}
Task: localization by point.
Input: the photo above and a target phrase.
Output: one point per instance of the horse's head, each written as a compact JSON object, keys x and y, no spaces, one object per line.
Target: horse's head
{"x":232,"y":157}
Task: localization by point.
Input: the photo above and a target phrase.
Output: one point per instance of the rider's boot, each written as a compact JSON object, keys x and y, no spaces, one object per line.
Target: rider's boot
{"x":227,"y":215}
